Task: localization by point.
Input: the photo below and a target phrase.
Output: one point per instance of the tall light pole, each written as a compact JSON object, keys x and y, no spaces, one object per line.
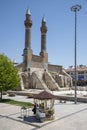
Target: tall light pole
{"x":75,"y":8}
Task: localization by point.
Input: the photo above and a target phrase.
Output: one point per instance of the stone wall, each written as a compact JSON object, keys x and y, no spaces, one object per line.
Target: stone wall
{"x":50,"y":82}
{"x":35,"y":81}
{"x":55,"y":68}
{"x":36,"y":58}
{"x":37,"y":64}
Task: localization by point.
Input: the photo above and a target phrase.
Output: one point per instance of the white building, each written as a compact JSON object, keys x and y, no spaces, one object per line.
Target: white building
{"x":81,"y":74}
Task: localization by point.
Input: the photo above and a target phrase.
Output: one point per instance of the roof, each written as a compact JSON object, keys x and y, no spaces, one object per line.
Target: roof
{"x":79,"y":69}
{"x":43,"y":19}
{"x":44,"y":95}
{"x":28,"y":12}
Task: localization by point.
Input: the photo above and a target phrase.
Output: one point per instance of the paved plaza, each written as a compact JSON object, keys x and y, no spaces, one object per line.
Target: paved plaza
{"x":68,"y":116}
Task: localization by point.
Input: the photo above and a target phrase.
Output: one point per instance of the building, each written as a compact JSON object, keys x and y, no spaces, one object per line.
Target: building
{"x":81,"y":74}
{"x":35,"y":71}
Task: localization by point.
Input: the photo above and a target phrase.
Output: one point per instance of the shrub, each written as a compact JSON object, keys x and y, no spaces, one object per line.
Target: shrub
{"x":4,"y":93}
{"x":11,"y":94}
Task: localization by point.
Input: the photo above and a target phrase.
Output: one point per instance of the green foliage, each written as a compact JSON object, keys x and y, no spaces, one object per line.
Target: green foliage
{"x":51,"y":111}
{"x":17,"y":103}
{"x":9,"y":78}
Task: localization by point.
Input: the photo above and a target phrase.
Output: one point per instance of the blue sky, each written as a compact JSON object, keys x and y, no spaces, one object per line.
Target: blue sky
{"x":60,"y":35}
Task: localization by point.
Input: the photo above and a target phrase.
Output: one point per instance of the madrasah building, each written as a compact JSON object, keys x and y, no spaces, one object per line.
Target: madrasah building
{"x":35,"y":70}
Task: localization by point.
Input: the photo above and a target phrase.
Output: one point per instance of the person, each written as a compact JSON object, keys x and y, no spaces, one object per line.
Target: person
{"x":35,"y":107}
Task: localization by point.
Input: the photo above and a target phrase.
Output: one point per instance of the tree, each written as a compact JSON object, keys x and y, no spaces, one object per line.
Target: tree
{"x":9,"y":77}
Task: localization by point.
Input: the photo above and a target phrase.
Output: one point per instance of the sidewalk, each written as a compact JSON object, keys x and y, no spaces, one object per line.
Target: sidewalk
{"x":68,"y":116}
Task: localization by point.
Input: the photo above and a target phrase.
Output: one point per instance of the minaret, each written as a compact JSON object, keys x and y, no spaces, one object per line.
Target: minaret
{"x":27,"y":54}
{"x":43,"y":35}
{"x":28,"y":25}
{"x":43,"y":30}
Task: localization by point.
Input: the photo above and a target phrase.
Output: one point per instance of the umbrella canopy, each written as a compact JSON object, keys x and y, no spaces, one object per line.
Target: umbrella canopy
{"x":44,"y":95}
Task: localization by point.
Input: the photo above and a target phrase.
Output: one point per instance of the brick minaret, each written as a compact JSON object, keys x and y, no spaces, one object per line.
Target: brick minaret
{"x":43,"y":30}
{"x":27,"y":53}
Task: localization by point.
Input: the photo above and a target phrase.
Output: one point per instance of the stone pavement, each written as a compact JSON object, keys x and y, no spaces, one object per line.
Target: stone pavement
{"x":68,"y":116}
{"x":8,"y":121}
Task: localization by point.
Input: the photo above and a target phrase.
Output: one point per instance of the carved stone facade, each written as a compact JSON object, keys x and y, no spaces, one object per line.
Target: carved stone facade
{"x":35,"y":71}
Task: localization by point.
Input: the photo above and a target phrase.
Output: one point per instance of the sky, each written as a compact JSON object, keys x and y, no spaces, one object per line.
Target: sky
{"x":60,"y":21}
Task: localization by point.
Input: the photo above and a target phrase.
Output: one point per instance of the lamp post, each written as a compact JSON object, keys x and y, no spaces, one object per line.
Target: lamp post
{"x":75,"y":8}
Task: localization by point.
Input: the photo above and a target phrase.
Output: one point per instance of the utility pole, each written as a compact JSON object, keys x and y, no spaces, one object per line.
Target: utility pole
{"x":75,"y":8}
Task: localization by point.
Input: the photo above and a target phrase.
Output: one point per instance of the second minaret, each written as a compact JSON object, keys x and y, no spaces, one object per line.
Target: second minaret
{"x":43,"y":36}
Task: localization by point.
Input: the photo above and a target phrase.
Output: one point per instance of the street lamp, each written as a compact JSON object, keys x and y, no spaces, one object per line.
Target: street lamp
{"x":75,"y":8}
